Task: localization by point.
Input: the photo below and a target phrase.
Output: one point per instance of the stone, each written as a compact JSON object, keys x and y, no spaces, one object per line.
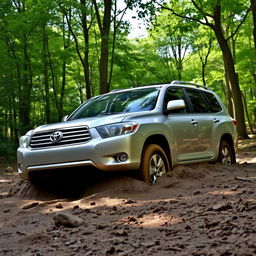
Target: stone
{"x":59,"y":206}
{"x":9,"y":169}
{"x":129,"y":201}
{"x":28,"y":206}
{"x":67,"y":219}
{"x":222,"y":206}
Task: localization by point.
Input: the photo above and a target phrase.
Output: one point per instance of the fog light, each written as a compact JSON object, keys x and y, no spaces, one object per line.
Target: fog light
{"x":122,"y":157}
{"x":20,"y":168}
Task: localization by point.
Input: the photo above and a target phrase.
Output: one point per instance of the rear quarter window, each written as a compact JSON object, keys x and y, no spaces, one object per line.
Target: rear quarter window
{"x":214,"y":105}
{"x":198,"y":101}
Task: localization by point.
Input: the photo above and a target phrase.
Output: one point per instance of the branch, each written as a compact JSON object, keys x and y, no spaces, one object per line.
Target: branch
{"x":240,"y":24}
{"x":97,"y":15}
{"x":200,"y":9}
{"x":184,"y":16}
{"x":73,"y":34}
{"x":123,"y":13}
{"x":209,"y":49}
{"x":92,"y":18}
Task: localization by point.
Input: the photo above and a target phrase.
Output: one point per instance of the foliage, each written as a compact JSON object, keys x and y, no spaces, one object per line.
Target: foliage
{"x":52,"y":53}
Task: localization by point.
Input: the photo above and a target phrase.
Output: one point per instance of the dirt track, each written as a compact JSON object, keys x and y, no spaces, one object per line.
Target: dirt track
{"x":205,"y":209}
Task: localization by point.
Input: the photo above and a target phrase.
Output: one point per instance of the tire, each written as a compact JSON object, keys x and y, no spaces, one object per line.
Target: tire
{"x":226,"y":154}
{"x":154,"y":163}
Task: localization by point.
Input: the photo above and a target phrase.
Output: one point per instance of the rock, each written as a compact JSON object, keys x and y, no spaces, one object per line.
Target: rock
{"x":187,"y":227}
{"x":235,"y":188}
{"x":150,"y":243}
{"x":101,"y":226}
{"x":67,"y":219}
{"x":9,"y":169}
{"x":111,"y":250}
{"x":76,"y":207}
{"x":28,"y":206}
{"x":222,"y":206}
{"x":157,"y":210}
{"x":114,"y":208}
{"x":59,"y":206}
{"x":131,"y":219}
{"x":120,"y":232}
{"x":243,"y":179}
{"x":209,"y":224}
{"x":129,"y":201}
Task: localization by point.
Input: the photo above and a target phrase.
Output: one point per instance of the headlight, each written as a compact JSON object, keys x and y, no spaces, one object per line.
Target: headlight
{"x":24,"y":141}
{"x":112,"y":130}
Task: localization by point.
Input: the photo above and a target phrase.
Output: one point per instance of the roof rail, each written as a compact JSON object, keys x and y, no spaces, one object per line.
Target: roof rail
{"x":116,"y":90}
{"x":189,"y":83}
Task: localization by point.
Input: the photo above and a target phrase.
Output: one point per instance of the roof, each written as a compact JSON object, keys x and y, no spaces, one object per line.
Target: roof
{"x":176,"y":82}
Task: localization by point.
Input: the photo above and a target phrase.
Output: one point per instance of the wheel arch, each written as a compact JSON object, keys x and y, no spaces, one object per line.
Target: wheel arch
{"x":228,"y":138}
{"x":161,"y":141}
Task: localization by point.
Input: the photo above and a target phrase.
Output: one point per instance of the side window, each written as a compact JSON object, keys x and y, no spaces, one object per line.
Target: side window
{"x":213,"y":102}
{"x":198,"y":101}
{"x":174,"y":94}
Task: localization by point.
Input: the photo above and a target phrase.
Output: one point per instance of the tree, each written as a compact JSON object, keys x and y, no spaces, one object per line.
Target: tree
{"x":85,"y":25}
{"x":174,"y":37}
{"x":202,"y":45}
{"x":211,"y":14}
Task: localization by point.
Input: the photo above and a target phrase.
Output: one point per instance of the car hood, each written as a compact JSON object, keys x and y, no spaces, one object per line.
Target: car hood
{"x":90,"y":122}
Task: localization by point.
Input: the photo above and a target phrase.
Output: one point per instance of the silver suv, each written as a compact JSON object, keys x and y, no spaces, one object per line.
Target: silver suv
{"x":149,"y":129}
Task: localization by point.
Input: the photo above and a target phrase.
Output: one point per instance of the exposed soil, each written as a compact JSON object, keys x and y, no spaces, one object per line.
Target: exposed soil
{"x":205,"y":209}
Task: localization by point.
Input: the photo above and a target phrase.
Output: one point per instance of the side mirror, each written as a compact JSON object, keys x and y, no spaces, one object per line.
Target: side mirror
{"x":64,"y":118}
{"x":175,"y":104}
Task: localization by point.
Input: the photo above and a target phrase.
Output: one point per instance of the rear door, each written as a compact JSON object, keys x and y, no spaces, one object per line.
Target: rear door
{"x":204,"y":109}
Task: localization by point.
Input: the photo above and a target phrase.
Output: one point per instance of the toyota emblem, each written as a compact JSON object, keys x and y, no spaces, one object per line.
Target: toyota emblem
{"x":56,"y":137}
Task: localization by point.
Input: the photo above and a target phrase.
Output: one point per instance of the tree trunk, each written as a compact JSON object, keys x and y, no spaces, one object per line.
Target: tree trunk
{"x":16,"y":137}
{"x":84,"y":59}
{"x":66,"y":44}
{"x":46,"y":77}
{"x":253,"y":5}
{"x":231,"y":73}
{"x":104,"y":52}
{"x":24,"y":108}
{"x":229,"y":96}
{"x":104,"y":86}
{"x":86,"y":65}
{"x":247,"y":114}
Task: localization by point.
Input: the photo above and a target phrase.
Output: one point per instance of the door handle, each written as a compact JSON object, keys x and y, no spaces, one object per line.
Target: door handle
{"x":216,"y":121}
{"x":194,"y":122}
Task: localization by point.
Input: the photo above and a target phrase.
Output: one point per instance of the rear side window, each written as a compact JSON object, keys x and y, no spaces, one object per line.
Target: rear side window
{"x":213,"y":102}
{"x":199,"y":102}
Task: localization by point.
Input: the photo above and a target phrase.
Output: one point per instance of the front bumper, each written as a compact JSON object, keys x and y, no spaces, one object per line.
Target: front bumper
{"x":98,"y":152}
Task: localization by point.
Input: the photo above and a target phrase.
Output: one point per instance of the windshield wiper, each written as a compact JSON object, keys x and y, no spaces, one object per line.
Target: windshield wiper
{"x":108,"y":113}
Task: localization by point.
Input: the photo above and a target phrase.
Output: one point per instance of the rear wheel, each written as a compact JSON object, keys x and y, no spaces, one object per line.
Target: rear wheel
{"x":226,"y":154}
{"x":154,"y":163}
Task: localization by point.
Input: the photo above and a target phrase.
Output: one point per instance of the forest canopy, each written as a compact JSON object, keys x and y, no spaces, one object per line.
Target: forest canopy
{"x":57,"y":54}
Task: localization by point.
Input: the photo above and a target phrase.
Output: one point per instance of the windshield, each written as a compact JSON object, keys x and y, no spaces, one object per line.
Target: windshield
{"x":115,"y":103}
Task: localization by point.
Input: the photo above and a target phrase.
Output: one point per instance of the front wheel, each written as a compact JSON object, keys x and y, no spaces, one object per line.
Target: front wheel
{"x":154,"y":163}
{"x":226,"y":154}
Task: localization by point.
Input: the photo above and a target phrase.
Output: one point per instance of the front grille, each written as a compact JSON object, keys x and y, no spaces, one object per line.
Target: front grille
{"x":59,"y":137}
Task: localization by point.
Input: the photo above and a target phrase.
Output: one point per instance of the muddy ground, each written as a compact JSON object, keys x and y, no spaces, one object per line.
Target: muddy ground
{"x":205,"y":209}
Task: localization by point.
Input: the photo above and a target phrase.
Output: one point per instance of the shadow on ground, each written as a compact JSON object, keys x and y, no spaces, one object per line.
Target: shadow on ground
{"x":71,"y":183}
